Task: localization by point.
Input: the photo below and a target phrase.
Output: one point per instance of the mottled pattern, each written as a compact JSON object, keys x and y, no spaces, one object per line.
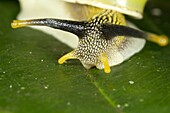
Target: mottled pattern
{"x":93,"y":44}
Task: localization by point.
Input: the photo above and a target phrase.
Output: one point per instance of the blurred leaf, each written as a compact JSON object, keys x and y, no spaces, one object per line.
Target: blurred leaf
{"x":31,"y":80}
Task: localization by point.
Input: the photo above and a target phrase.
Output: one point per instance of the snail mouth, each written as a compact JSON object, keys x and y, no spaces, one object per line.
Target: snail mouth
{"x":103,"y":59}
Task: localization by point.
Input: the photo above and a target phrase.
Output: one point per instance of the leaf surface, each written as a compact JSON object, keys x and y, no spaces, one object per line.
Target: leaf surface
{"x":31,"y":80}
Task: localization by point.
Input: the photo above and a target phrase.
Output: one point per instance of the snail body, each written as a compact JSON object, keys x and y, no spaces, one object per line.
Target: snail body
{"x":105,"y":39}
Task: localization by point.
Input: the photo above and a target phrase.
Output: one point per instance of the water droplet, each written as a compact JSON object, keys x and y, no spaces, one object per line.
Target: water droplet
{"x":141,"y":100}
{"x":36,"y":78}
{"x":46,"y":86}
{"x":18,"y":91}
{"x":113,"y":89}
{"x":158,"y":70}
{"x":68,"y":103}
{"x":153,"y":57}
{"x":149,"y":91}
{"x":156,"y":12}
{"x":131,"y":82}
{"x":10,"y":86}
{"x":22,"y":88}
{"x":118,"y":105}
{"x":126,"y":105}
{"x":137,"y":63}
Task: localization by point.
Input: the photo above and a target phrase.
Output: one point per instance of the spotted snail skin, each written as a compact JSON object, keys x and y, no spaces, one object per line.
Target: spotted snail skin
{"x":105,"y":39}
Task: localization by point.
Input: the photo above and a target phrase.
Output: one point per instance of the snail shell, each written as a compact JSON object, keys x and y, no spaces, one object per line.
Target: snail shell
{"x":129,"y":7}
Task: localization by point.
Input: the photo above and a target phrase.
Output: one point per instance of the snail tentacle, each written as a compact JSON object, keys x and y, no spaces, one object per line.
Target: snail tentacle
{"x":69,"y":55}
{"x":74,"y":27}
{"x":112,"y":30}
{"x":104,"y":60}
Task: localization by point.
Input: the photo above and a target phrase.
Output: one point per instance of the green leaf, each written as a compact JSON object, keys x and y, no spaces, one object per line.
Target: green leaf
{"x":31,"y":80}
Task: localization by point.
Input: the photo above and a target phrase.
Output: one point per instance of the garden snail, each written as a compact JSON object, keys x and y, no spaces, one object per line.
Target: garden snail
{"x":105,"y":39}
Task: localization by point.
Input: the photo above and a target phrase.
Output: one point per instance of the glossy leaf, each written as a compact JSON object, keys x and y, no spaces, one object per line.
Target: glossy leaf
{"x":31,"y":80}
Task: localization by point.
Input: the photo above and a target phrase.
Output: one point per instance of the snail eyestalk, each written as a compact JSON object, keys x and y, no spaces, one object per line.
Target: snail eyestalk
{"x":161,"y":40}
{"x":74,"y":27}
{"x":110,"y":31}
{"x":19,"y":23}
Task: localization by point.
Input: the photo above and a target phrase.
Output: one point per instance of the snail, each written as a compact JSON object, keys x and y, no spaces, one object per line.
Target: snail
{"x":105,"y":38}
